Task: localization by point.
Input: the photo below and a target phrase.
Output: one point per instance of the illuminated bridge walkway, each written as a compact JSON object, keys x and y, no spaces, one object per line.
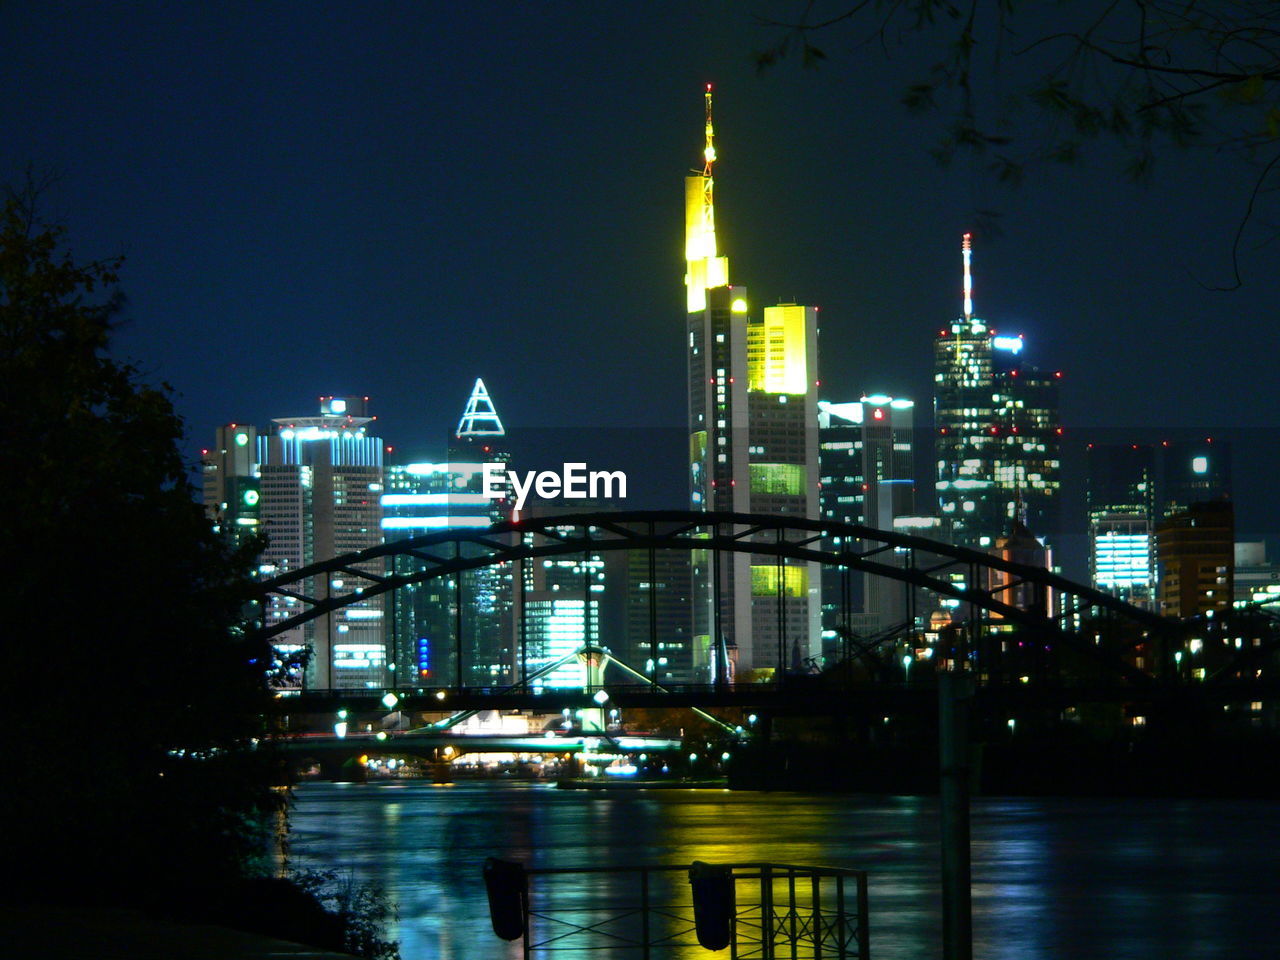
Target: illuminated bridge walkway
{"x":1096,"y":631}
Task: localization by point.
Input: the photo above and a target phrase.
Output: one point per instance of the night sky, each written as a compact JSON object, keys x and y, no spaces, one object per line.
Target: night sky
{"x":392,"y":199}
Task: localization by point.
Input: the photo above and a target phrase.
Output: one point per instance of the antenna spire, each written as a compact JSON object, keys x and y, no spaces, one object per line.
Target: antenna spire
{"x":709,"y":153}
{"x":967,"y":252}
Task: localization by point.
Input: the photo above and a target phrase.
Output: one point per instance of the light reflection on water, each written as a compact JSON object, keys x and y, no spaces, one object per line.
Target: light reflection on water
{"x":1060,"y":879}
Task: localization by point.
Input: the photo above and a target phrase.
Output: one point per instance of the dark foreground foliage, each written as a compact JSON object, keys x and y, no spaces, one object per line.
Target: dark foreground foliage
{"x":324,"y":909}
{"x":131,"y":700}
{"x":131,"y":693}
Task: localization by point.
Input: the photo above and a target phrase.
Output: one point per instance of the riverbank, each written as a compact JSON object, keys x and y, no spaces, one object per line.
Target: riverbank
{"x":73,"y":933}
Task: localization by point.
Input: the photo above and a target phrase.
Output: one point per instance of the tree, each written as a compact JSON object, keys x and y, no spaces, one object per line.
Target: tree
{"x":132,"y":692}
{"x":1025,"y":83}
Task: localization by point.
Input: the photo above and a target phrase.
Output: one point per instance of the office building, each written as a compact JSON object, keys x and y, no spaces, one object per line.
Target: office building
{"x":436,"y":641}
{"x":867,"y":477}
{"x":1193,"y":471}
{"x":230,"y":484}
{"x":998,"y":431}
{"x":318,"y":487}
{"x":1195,"y":549}
{"x":753,"y":444}
{"x":659,"y":630}
{"x":1256,"y":579}
{"x":1120,"y":503}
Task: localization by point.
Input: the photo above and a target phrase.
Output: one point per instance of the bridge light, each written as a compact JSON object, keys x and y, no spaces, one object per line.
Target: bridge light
{"x":390,"y":700}
{"x":340,"y":729}
{"x":752,"y":719}
{"x":600,"y":697}
{"x":342,"y":714}
{"x":439,"y":694}
{"x":382,"y":735}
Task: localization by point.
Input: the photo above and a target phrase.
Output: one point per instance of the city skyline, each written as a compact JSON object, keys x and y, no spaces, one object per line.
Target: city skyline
{"x":367,"y":209}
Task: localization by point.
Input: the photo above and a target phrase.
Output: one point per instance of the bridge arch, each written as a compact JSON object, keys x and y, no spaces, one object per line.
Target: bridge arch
{"x":957,"y":573}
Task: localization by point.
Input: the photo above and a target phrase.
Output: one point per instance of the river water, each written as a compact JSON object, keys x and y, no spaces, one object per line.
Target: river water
{"x":1053,"y":879}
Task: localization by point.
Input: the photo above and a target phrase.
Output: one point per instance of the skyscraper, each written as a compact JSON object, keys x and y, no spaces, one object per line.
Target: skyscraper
{"x":753,"y":445}
{"x":1120,"y":501}
{"x":1193,"y":471}
{"x":867,"y":478}
{"x":436,"y":641}
{"x":998,"y":432}
{"x":1196,"y":552}
{"x":321,"y":483}
{"x":230,"y":482}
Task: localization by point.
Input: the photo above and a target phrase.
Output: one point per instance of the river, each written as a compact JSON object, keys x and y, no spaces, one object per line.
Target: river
{"x":1053,"y":879}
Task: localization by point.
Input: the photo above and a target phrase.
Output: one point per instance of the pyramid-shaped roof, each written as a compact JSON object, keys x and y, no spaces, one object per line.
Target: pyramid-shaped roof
{"x":480,"y":418}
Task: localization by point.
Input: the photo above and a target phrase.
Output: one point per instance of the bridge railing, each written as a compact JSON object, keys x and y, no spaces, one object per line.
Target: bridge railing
{"x":777,"y":910}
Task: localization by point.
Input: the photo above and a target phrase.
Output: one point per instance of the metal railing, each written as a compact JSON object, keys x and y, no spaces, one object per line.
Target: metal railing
{"x":778,"y":911}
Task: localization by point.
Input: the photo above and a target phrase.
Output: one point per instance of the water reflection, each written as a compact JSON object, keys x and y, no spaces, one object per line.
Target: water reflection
{"x":1052,"y":878}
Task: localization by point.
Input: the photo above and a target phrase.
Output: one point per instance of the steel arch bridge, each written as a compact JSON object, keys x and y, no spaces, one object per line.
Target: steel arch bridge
{"x":980,"y":584}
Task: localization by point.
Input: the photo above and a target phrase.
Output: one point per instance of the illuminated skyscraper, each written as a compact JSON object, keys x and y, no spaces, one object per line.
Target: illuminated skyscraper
{"x":1193,"y":471}
{"x":1120,"y":500}
{"x":998,"y":432}
{"x":321,"y":482}
{"x":230,"y":481}
{"x":753,"y":443}
{"x":867,"y":478}
{"x":422,"y":498}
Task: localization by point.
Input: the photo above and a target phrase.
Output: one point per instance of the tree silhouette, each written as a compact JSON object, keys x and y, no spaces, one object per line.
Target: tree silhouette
{"x":132,"y":695}
{"x":1023,"y":84}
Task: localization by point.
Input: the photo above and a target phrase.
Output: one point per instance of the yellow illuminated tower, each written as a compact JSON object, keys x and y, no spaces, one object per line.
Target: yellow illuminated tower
{"x":753,"y":447}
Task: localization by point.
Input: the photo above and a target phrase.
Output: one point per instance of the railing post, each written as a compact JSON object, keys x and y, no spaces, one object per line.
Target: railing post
{"x":792,"y":913}
{"x":815,"y":894}
{"x":841,"y":953}
{"x":953,"y":748}
{"x":766,"y":912}
{"x":864,"y":920}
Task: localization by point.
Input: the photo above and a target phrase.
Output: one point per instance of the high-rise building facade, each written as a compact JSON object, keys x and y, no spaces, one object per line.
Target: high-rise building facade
{"x":998,"y":432}
{"x":230,"y":483}
{"x":1196,"y":552}
{"x":1120,"y":502}
{"x":658,"y":597}
{"x":320,"y":483}
{"x":1193,"y":471}
{"x":452,"y":631}
{"x":867,"y":477}
{"x":753,"y":445}
{"x":1256,"y":580}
